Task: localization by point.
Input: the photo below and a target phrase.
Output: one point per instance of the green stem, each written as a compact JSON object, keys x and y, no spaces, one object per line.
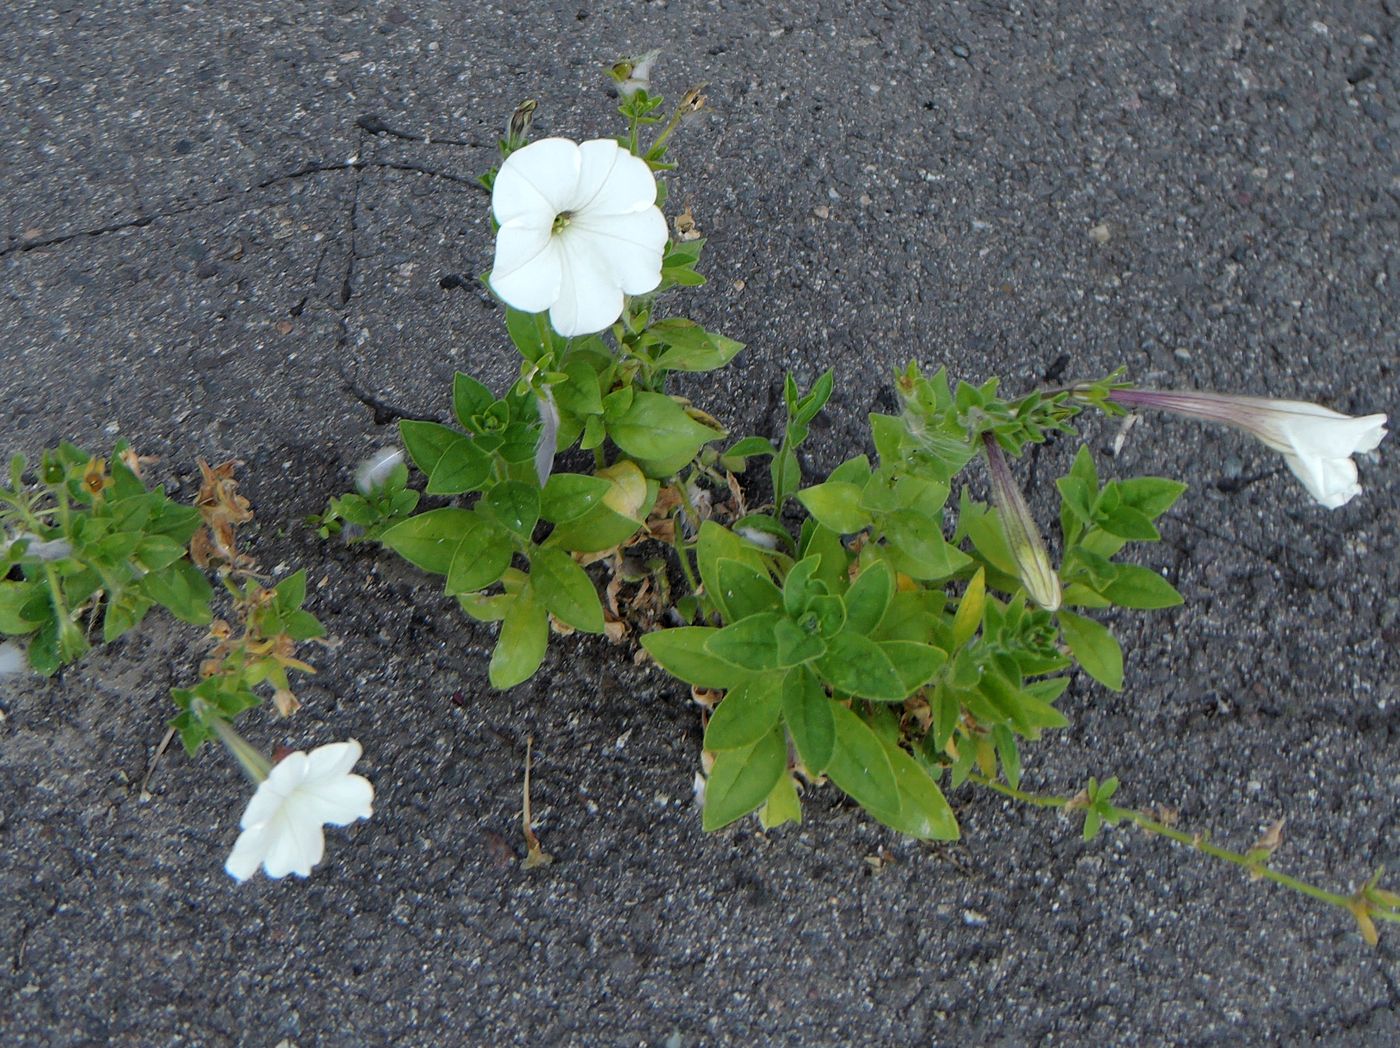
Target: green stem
{"x":660,"y":141}
{"x":679,"y":544}
{"x":1254,"y":864}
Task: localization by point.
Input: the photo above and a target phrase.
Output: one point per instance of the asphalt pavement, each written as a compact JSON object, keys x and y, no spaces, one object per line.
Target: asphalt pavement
{"x":251,"y":230}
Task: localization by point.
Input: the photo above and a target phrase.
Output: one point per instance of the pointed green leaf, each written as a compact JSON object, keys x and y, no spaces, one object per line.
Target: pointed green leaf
{"x":923,"y":812}
{"x":568,"y":496}
{"x":836,"y":506}
{"x":1095,"y":648}
{"x":746,"y":590}
{"x":741,"y":780}
{"x":520,"y":648}
{"x":746,"y":714}
{"x":681,"y":653}
{"x":750,"y":643}
{"x":869,"y":598}
{"x":855,"y":665}
{"x":860,"y":764}
{"x":566,"y":589}
{"x":430,"y":539}
{"x":807,"y":711}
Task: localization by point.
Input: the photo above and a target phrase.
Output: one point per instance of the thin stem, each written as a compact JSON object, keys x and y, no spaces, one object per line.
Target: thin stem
{"x":678,"y":540}
{"x":1357,"y":905}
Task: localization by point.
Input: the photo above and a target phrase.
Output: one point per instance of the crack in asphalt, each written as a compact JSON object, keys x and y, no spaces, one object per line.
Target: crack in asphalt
{"x":22,"y":246}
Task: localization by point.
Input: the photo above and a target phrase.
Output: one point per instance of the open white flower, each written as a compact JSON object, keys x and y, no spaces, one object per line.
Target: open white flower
{"x":282,"y":823}
{"x":1316,"y":442}
{"x":580,"y":229}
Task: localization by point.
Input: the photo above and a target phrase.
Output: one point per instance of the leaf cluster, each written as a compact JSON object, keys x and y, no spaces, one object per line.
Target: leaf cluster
{"x":88,"y":545}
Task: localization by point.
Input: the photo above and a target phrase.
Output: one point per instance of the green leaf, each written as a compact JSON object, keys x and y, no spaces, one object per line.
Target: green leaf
{"x":1095,"y":648}
{"x":923,"y":812}
{"x":716,"y":543}
{"x":469,"y":399}
{"x":853,"y":471}
{"x":969,"y":615}
{"x":430,"y":539}
{"x":746,"y":591}
{"x":426,"y":441}
{"x":513,"y":504}
{"x":807,"y":711}
{"x":1009,"y":754}
{"x":1138,"y":587}
{"x":1124,"y":522}
{"x":690,"y":347}
{"x":566,"y":589}
{"x":869,"y":598}
{"x":461,"y":467}
{"x":656,"y":428}
{"x":302,"y":625}
{"x":182,"y":590}
{"x":747,"y":713}
{"x":741,"y":780}
{"x":1150,"y":496}
{"x":291,"y":591}
{"x":915,"y":663}
{"x":856,"y":665}
{"x":860,"y":764}
{"x":786,"y":474}
{"x":835,"y":558}
{"x":798,"y":587}
{"x":14,"y":596}
{"x":482,"y":556}
{"x":123,"y":613}
{"x":920,"y":549}
{"x":568,"y":496}
{"x":521,"y":645}
{"x":782,"y":805}
{"x":681,"y":653}
{"x":836,"y":505}
{"x":532,"y":334}
{"x":154,"y":552}
{"x":797,"y":644}
{"x":750,"y":643}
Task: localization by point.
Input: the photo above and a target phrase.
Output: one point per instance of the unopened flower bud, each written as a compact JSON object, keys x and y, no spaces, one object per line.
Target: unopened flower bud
{"x":1038,"y":575}
{"x":519,"y":125}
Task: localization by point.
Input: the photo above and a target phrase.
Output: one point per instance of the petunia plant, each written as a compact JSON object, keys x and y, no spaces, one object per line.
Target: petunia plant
{"x":882,"y":628}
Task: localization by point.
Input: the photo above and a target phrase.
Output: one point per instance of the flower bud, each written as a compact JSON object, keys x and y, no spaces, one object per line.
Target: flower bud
{"x":1027,"y":547}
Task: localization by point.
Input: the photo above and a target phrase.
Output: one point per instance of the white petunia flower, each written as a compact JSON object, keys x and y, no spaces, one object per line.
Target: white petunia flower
{"x":282,"y":823}
{"x":1316,"y":442}
{"x":580,"y":229}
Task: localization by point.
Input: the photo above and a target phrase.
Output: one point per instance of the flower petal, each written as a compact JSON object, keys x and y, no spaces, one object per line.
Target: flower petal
{"x":248,"y":852}
{"x":626,"y":186}
{"x":332,"y":760}
{"x":589,"y":297}
{"x":631,"y":245}
{"x":537,"y":182}
{"x":1332,"y":482}
{"x":339,"y":801}
{"x":293,"y":847}
{"x":286,"y":775}
{"x":1333,"y":438}
{"x":535,"y":286}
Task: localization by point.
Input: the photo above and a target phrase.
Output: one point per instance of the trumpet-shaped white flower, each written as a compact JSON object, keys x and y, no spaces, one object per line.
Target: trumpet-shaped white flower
{"x":580,"y":229}
{"x":1316,"y":442}
{"x":282,"y":823}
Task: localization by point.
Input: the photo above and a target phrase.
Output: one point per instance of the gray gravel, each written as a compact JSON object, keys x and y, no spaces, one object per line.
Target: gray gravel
{"x":202,"y":249}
